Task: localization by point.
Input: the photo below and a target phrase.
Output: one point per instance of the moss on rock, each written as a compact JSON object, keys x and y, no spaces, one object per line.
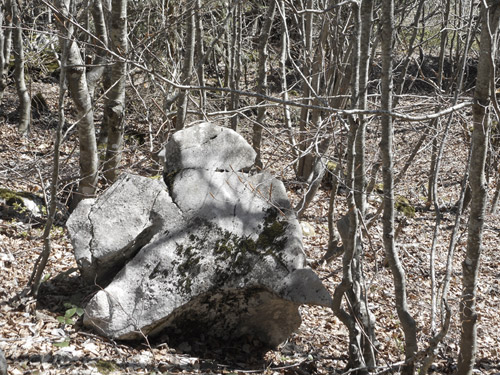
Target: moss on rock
{"x":403,"y":205}
{"x":11,"y":197}
{"x":239,"y":253}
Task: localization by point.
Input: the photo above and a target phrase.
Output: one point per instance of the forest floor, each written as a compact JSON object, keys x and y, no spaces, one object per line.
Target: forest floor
{"x":37,"y":339}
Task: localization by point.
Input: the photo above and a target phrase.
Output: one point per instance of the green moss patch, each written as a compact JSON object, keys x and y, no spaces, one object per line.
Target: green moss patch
{"x":403,"y":205}
{"x":106,"y":367}
{"x":239,"y":253}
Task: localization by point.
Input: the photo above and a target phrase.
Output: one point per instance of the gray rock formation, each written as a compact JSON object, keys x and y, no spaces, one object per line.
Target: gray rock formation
{"x":108,"y":232}
{"x":3,"y":364}
{"x":218,"y":253}
{"x":210,"y":147}
{"x":22,"y":205}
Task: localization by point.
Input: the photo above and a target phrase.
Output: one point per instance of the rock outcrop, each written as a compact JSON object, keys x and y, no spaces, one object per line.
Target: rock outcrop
{"x":214,"y":252}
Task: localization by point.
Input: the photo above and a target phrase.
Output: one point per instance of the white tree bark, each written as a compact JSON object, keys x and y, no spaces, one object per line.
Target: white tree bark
{"x":478,"y":186}
{"x":262,"y":81}
{"x":187,"y":67}
{"x":305,"y":164}
{"x":364,"y":57}
{"x":200,"y":68}
{"x":95,"y":73}
{"x":77,"y":85}
{"x":24,"y":107}
{"x":5,"y":42}
{"x":114,"y":111}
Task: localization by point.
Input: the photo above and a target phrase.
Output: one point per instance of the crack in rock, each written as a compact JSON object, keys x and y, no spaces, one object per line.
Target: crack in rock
{"x":213,"y":252}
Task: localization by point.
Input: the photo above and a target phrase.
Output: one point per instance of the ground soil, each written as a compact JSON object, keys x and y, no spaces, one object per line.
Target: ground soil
{"x":35,"y":340}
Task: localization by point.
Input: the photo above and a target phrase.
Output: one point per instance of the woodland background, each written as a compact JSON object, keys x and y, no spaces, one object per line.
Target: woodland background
{"x":381,"y":117}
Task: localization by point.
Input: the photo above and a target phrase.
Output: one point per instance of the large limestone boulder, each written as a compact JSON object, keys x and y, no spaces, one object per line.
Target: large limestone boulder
{"x":216,"y":253}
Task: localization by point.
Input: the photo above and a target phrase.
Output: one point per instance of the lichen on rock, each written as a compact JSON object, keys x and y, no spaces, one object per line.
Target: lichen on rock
{"x":404,"y":206}
{"x":224,"y":254}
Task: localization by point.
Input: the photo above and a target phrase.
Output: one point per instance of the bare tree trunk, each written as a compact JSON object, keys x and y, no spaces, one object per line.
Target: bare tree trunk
{"x":262,"y":81}
{"x":3,"y":78}
{"x":407,"y":321}
{"x":348,"y":227}
{"x":5,"y":43}
{"x":235,"y":65}
{"x":443,"y":43}
{"x":77,"y":85}
{"x":187,"y":67}
{"x":102,"y":140}
{"x":367,"y":318}
{"x":366,"y":21}
{"x":284,"y":86}
{"x":430,"y":191}
{"x":333,"y":249}
{"x":357,"y":296}
{"x":200,"y":67}
{"x":41,"y":263}
{"x":316,"y":162}
{"x":470,"y":265}
{"x":361,"y":334}
{"x":351,"y":284}
{"x":95,"y":73}
{"x":114,"y":111}
{"x":305,"y":164}
{"x":433,"y":189}
{"x":24,"y":107}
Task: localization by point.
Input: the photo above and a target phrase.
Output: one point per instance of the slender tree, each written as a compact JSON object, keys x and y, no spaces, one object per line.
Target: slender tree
{"x":24,"y":107}
{"x":77,"y":85}
{"x":235,"y":63}
{"x":319,"y":147}
{"x":200,"y":52}
{"x":386,"y":148}
{"x":490,"y":14}
{"x":41,"y":263}
{"x":100,"y":44}
{"x":187,"y":67}
{"x":5,"y":42}
{"x":445,"y":10}
{"x":366,"y":21}
{"x":359,"y":320}
{"x":285,"y":51}
{"x":114,"y":111}
{"x":305,"y":164}
{"x":262,"y":80}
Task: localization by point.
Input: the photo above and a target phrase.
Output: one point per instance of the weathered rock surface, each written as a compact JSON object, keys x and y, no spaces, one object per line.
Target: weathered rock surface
{"x":3,"y":364}
{"x":206,"y":146}
{"x":109,"y":231}
{"x":218,"y":253}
